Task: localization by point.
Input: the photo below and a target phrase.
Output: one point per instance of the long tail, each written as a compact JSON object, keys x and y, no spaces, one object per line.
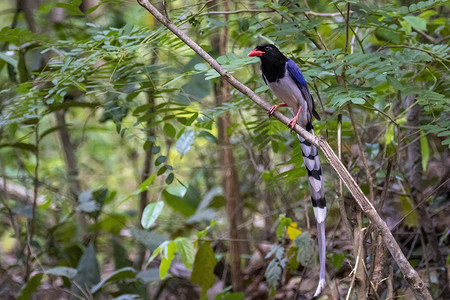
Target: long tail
{"x":317,"y":190}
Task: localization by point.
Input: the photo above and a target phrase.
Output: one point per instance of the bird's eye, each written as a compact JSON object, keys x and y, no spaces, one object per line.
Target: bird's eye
{"x":267,"y":48}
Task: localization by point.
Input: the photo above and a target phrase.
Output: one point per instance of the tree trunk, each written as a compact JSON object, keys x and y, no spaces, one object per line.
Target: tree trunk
{"x":415,"y":182}
{"x":234,"y":205}
{"x":71,"y":170}
{"x":146,"y":171}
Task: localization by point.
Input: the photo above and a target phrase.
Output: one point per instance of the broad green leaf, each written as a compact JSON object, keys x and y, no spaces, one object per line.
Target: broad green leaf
{"x":203,"y":271}
{"x":186,"y":250}
{"x":169,"y":130}
{"x":62,"y":271}
{"x":151,"y":213}
{"x":409,"y":212}
{"x":27,"y":290}
{"x":167,"y":253}
{"x":416,"y":22}
{"x":9,"y":59}
{"x":124,"y":273}
{"x":88,"y":270}
{"x":186,"y":204}
{"x":338,"y":259}
{"x":201,"y":67}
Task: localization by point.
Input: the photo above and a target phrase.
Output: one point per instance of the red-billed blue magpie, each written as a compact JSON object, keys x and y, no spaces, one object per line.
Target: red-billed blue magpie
{"x":286,"y":81}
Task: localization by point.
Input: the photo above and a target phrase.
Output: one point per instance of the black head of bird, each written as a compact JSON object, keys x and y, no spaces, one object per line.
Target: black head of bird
{"x":269,"y":53}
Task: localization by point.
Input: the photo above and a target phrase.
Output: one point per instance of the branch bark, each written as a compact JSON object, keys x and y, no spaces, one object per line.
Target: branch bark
{"x":412,"y":277}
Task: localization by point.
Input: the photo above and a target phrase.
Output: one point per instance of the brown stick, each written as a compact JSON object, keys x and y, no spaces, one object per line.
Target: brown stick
{"x":412,"y":277}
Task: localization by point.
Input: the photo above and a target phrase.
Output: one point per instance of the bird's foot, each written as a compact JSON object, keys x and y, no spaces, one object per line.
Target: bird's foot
{"x":292,"y":123}
{"x":272,"y":110}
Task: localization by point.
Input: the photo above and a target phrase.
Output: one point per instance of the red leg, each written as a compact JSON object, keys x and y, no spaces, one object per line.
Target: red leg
{"x":292,"y":122}
{"x":275,"y":108}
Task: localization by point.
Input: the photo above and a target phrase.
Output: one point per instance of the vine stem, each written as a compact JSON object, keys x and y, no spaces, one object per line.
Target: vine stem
{"x":412,"y":277}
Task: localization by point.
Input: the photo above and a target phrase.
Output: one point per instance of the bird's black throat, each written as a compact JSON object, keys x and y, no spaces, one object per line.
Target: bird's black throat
{"x":273,"y":70}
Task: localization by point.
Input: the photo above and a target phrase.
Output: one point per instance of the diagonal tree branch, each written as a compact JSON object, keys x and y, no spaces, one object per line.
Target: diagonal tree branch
{"x":412,"y":277}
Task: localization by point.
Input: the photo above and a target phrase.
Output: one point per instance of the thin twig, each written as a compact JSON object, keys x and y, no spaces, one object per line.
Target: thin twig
{"x":355,"y":269}
{"x":232,"y":12}
{"x":362,"y":153}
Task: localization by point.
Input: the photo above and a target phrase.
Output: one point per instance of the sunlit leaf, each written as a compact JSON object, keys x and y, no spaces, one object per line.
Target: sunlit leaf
{"x":151,"y":213}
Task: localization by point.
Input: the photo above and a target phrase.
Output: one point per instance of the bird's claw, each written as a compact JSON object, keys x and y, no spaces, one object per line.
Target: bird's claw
{"x":292,"y":123}
{"x":272,"y":110}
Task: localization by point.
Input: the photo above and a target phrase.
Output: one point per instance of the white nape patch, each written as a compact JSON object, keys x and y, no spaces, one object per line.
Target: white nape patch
{"x":320,"y":214}
{"x":320,"y":287}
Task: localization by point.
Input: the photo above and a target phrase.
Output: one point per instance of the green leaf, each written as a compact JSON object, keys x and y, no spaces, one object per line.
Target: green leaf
{"x":88,"y":270}
{"x":203,"y":233}
{"x":167,"y":253}
{"x":305,"y":250}
{"x":9,"y":59}
{"x":395,"y":83}
{"x":27,"y":290}
{"x":185,"y":142}
{"x":284,"y":222}
{"x":338,"y":259}
{"x":425,"y":150}
{"x":201,"y":67}
{"x":144,"y":186}
{"x":203,"y":271}
{"x":186,"y":250}
{"x":183,"y":200}
{"x":71,"y":8}
{"x":62,"y":271}
{"x":170,"y":130}
{"x":409,"y":212}
{"x":273,"y":273}
{"x":170,"y":178}
{"x":416,"y":22}
{"x":151,"y":213}
{"x":124,"y":273}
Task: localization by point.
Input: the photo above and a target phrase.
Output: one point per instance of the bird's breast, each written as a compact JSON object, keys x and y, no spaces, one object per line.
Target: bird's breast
{"x":287,"y":91}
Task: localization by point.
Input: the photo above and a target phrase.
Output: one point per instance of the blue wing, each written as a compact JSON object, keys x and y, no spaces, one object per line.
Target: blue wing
{"x":297,"y":75}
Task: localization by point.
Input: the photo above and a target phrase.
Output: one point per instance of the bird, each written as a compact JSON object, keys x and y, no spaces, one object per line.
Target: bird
{"x":286,"y":82}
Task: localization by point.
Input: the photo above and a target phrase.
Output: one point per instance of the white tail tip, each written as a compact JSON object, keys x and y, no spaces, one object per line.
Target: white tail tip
{"x":320,"y":287}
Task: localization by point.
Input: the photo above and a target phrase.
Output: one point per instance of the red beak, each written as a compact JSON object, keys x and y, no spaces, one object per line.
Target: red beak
{"x":256,"y":52}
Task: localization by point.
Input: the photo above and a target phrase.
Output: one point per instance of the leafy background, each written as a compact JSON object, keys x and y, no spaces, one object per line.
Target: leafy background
{"x":103,"y":111}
